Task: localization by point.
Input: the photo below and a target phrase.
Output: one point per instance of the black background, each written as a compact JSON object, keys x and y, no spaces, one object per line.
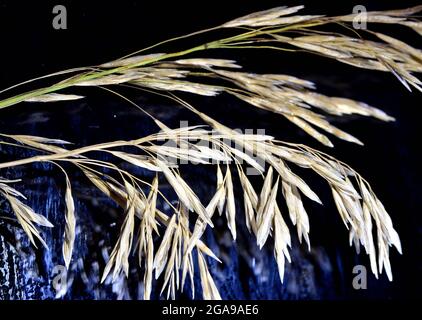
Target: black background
{"x":100,"y":31}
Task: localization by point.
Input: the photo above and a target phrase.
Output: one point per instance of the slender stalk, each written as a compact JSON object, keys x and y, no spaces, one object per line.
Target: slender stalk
{"x":70,"y":153}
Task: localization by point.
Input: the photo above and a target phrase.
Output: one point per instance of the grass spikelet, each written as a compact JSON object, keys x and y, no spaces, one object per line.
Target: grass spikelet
{"x":160,"y":258}
{"x":262,"y":18}
{"x":297,"y":211}
{"x":264,"y":226}
{"x":209,"y":289}
{"x":281,"y":243}
{"x":54,"y":97}
{"x":70,"y":229}
{"x":25,"y":215}
{"x":120,"y":254}
{"x":230,"y":205}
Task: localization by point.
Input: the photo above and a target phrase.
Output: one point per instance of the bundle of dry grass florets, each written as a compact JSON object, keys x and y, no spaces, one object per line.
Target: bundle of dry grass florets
{"x":226,"y":149}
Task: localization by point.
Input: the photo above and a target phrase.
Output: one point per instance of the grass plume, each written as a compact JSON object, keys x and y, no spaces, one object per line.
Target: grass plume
{"x":171,"y":257}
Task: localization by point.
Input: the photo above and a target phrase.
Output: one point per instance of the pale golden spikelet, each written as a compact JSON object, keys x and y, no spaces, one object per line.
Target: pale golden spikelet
{"x":70,"y":228}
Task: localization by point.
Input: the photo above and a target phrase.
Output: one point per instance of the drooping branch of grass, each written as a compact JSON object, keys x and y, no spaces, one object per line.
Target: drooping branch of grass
{"x":301,"y":32}
{"x":293,"y":98}
{"x":356,"y":206}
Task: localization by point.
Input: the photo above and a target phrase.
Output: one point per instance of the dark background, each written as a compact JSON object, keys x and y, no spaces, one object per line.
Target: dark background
{"x":101,"y":31}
